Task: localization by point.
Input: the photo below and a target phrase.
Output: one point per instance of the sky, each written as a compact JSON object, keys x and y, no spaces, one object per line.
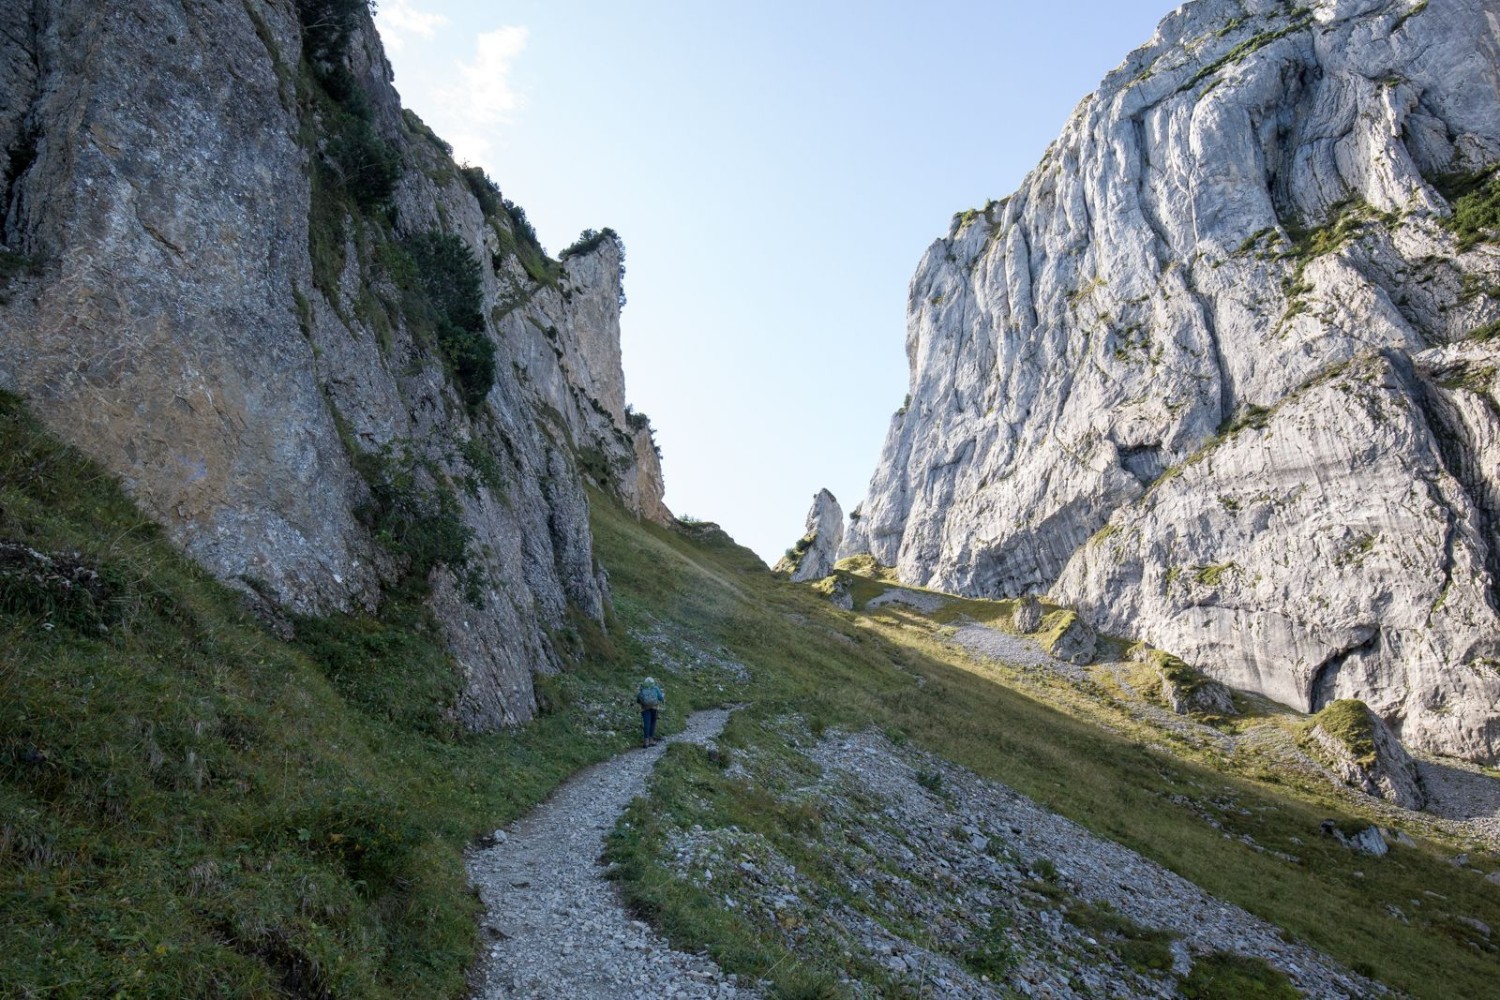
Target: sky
{"x":776,"y":171}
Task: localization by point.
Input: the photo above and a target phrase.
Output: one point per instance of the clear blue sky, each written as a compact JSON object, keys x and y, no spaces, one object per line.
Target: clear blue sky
{"x":776,"y":171}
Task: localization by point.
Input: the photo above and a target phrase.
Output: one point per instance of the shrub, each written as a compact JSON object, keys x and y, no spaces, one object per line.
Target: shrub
{"x":485,"y":190}
{"x":366,"y":164}
{"x":416,"y":523}
{"x":415,"y":123}
{"x":328,"y":25}
{"x":519,"y":224}
{"x":12,"y":266}
{"x":1475,"y":200}
{"x":991,"y":953}
{"x":447,"y":275}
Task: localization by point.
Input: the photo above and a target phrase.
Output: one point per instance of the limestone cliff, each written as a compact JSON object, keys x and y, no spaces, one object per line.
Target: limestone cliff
{"x":328,"y":359}
{"x":813,"y":555}
{"x":1221,"y":374}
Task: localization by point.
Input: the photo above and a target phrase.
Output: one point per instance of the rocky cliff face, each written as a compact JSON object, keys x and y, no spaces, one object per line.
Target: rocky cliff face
{"x":328,"y":359}
{"x":1222,"y":373}
{"x":814,"y":554}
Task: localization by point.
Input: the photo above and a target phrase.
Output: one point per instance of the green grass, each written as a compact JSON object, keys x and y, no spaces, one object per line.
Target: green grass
{"x":1475,"y":200}
{"x":854,"y":671}
{"x":192,"y":808}
{"x":1141,"y":948}
{"x":1226,"y":976}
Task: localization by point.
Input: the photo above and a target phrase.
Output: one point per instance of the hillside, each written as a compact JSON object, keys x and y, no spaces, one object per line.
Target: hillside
{"x":330,"y":549}
{"x":197,"y":808}
{"x":1220,"y":373}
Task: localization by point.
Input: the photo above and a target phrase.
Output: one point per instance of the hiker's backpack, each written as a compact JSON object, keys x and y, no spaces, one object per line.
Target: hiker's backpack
{"x":650,"y":697}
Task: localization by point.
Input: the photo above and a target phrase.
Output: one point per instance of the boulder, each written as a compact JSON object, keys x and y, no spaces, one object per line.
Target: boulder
{"x":836,"y":589}
{"x":1027,"y":616}
{"x":1067,"y":637}
{"x":1362,"y":750}
{"x":814,"y":554}
{"x":1189,"y":691}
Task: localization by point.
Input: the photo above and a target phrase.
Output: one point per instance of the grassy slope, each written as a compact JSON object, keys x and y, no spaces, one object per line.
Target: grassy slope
{"x":854,"y":671}
{"x":189,"y":807}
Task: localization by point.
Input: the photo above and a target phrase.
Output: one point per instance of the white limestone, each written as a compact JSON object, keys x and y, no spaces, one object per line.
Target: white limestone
{"x":1239,"y":228}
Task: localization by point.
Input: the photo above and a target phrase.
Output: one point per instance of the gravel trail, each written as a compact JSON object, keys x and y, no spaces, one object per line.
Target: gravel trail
{"x":558,"y":927}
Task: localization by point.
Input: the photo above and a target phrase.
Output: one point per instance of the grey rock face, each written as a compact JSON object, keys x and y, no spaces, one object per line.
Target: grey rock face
{"x":813,"y":556}
{"x":1028,"y":615}
{"x":1209,"y":375}
{"x":209,"y":324}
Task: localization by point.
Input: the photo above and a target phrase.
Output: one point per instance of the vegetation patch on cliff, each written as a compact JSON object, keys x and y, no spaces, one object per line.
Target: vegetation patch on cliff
{"x":413,"y":514}
{"x":1301,"y":19}
{"x":1475,"y":201}
{"x":450,"y":301}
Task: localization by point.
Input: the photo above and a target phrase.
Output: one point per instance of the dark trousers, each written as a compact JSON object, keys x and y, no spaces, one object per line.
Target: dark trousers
{"x":648,"y":723}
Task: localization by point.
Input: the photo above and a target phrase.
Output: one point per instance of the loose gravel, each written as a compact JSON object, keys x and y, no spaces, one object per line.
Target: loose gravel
{"x":558,"y":928}
{"x":979,"y":833}
{"x":937,"y":883}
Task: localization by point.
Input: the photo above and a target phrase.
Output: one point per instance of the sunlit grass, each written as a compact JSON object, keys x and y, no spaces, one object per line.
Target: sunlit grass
{"x":1078,"y":752}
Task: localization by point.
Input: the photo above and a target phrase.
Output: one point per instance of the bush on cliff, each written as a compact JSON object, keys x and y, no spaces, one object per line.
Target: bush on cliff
{"x":447,"y":274}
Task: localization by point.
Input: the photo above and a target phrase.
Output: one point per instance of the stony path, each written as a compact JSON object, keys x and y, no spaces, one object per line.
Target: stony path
{"x":559,"y":930}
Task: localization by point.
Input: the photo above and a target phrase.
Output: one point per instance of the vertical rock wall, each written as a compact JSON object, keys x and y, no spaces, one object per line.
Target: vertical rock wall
{"x":201,"y":296}
{"x":1220,"y":373}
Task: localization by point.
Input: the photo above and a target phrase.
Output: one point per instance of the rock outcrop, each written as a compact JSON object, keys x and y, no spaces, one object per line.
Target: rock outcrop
{"x":1222,"y":373}
{"x":1067,"y":637}
{"x":1187,"y":690}
{"x":1361,"y":749}
{"x":813,"y":556}
{"x":322,"y":354}
{"x":1027,"y":616}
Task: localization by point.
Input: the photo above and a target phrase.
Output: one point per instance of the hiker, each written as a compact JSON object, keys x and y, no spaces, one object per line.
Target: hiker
{"x":651,"y":698}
